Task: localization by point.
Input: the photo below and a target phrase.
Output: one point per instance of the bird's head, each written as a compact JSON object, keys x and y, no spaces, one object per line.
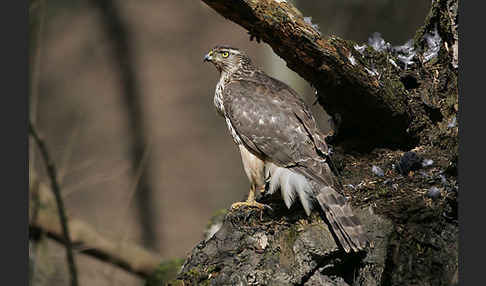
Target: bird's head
{"x":227,"y":59}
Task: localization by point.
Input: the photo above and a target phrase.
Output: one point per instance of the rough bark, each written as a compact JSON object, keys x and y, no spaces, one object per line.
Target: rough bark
{"x":282,"y":248}
{"x":387,"y":105}
{"x":415,"y":238}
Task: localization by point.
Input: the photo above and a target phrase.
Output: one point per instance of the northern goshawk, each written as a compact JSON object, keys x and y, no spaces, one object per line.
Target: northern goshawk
{"x":280,"y":143}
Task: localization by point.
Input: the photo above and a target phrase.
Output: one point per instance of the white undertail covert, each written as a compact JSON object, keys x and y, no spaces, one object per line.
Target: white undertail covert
{"x":291,"y":184}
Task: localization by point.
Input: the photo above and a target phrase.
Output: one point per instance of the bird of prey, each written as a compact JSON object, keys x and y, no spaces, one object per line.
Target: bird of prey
{"x":280,"y":143}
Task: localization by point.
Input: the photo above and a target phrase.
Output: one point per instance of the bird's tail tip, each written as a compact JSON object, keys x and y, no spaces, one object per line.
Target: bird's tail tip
{"x":345,"y":225}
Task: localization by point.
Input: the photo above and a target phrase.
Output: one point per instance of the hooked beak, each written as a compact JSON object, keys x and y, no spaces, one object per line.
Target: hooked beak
{"x":208,"y":57}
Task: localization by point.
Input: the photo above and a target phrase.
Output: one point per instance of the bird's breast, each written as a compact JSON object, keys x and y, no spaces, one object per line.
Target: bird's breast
{"x":218,"y":98}
{"x":218,"y":103}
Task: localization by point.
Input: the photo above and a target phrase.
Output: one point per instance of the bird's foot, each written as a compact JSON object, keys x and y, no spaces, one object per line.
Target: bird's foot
{"x":250,"y":204}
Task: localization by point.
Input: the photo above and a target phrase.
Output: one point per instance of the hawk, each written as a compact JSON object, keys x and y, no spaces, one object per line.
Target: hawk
{"x":280,"y":144}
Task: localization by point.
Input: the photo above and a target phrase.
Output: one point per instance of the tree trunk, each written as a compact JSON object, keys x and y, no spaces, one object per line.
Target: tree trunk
{"x":131,"y":96}
{"x":385,"y":101}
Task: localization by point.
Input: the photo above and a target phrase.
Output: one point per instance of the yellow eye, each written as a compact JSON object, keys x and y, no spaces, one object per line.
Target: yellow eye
{"x":225,"y":54}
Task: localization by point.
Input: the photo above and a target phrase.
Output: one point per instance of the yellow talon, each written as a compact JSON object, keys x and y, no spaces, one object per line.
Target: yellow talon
{"x":251,"y":204}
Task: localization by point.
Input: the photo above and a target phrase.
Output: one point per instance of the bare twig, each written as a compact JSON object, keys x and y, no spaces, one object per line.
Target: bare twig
{"x":85,"y":239}
{"x":37,"y":10}
{"x":69,"y":151}
{"x":51,"y":170}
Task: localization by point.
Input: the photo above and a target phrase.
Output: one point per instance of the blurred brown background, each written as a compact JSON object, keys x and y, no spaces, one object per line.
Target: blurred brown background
{"x":193,"y":168}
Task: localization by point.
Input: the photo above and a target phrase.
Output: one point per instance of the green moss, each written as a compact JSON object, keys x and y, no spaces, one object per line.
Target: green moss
{"x":166,"y":273}
{"x":393,"y":92}
{"x":418,"y":39}
{"x":381,"y":191}
{"x":198,"y":275}
{"x":288,"y":239}
{"x":211,"y":269}
{"x":291,"y":236}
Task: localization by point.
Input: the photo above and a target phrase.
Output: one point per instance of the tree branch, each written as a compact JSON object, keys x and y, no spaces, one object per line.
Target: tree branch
{"x":363,"y":89}
{"x":130,"y":257}
{"x":51,"y":170}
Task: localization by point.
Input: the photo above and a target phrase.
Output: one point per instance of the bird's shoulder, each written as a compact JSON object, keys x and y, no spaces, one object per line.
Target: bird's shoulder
{"x":260,"y":95}
{"x":262,"y":87}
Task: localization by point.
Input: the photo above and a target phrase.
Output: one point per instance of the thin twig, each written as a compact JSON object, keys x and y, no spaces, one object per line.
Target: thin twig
{"x":69,"y":151}
{"x":39,"y":8}
{"x":36,"y":58}
{"x":51,"y":170}
{"x":87,"y":240}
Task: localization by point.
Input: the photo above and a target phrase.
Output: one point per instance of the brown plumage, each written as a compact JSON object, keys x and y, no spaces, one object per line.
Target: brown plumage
{"x":279,"y":141}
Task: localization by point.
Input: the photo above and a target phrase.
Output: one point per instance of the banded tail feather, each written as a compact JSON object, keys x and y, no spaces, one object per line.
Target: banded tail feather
{"x":345,"y":224}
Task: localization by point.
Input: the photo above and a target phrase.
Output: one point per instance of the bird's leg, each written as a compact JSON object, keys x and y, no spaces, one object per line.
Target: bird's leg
{"x":250,"y":201}
{"x":255,"y":171}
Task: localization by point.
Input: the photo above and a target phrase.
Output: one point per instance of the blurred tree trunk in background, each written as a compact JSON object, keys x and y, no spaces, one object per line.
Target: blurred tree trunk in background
{"x":123,"y":56}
